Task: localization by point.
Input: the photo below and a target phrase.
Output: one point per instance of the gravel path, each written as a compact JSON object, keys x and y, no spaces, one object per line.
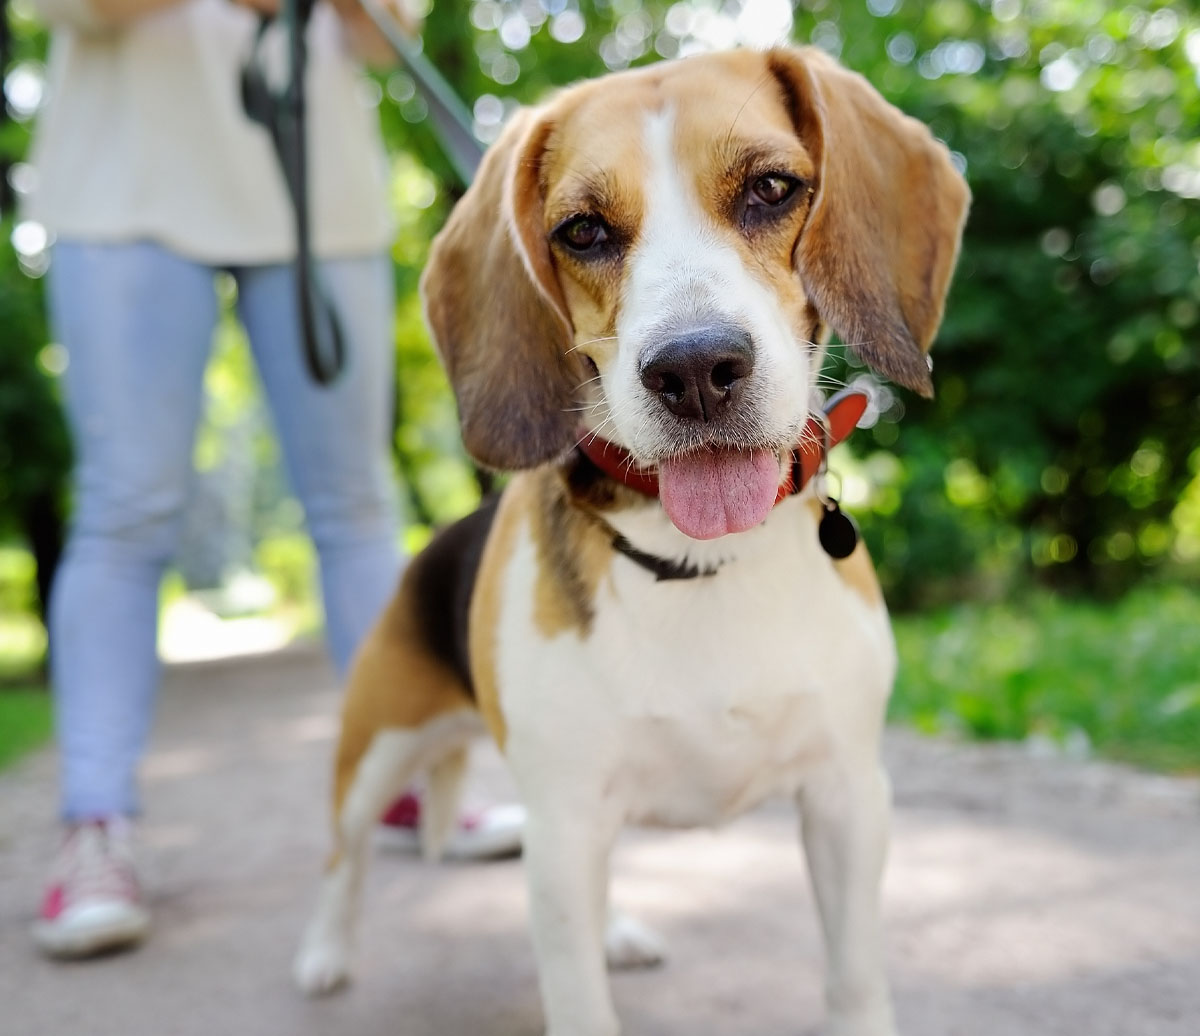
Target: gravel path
{"x":1024,"y":897}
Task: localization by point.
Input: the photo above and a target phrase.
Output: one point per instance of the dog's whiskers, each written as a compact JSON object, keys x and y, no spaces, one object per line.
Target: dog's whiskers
{"x":591,"y":341}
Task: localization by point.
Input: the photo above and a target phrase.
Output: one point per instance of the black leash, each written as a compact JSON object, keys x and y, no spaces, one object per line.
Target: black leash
{"x":283,"y":113}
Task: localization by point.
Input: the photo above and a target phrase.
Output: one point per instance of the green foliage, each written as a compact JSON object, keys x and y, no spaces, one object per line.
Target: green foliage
{"x":17,"y":581}
{"x":26,"y":718}
{"x":427,"y":445}
{"x":34,"y":448}
{"x":22,"y":647}
{"x":22,"y":638}
{"x":1123,"y":678}
{"x":1068,"y":372}
{"x":25,"y":45}
{"x":289,"y":562}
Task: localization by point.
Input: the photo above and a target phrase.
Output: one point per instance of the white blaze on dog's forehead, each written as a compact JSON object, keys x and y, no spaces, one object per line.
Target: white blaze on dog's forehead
{"x":680,"y":263}
{"x":687,"y":271}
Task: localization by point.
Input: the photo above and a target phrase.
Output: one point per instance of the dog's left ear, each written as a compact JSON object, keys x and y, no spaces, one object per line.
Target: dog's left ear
{"x":882,"y":238}
{"x":496,"y":311}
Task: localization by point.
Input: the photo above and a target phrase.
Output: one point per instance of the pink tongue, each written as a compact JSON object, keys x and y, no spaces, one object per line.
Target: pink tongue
{"x":709,"y":494}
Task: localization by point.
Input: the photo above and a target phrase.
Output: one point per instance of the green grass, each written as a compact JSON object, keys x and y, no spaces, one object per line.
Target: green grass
{"x":25,"y":709}
{"x":25,"y":721}
{"x":1125,"y":676}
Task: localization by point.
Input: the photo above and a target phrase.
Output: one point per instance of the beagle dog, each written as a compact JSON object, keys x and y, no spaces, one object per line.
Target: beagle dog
{"x":631,"y":302}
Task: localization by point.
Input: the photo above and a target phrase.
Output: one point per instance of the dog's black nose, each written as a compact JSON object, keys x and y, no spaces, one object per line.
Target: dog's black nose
{"x":700,"y":374}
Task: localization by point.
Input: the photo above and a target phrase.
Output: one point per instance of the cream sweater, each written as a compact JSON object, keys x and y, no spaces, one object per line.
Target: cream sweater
{"x":143,"y":137}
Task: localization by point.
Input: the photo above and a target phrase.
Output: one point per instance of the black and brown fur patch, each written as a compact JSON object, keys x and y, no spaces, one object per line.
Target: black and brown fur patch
{"x":444,"y":576}
{"x":415,"y":663}
{"x":574,"y":543}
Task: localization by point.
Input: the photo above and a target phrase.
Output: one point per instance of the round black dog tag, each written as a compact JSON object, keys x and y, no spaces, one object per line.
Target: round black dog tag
{"x":838,"y":532}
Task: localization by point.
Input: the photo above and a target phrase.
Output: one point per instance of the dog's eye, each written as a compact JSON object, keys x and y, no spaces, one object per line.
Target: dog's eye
{"x":582,"y":233}
{"x":771,"y":190}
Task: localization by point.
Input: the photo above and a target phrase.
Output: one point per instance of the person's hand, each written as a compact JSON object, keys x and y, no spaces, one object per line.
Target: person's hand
{"x":269,"y":7}
{"x":348,"y":10}
{"x":351,"y":11}
{"x":368,"y":42}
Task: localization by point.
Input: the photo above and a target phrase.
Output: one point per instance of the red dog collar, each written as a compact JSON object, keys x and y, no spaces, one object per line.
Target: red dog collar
{"x":839,"y":418}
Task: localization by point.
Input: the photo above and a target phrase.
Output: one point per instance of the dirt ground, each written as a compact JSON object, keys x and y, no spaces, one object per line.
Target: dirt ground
{"x":1024,"y":897}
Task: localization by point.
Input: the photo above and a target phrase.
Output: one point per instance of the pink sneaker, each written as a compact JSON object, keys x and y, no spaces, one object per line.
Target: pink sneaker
{"x":486,"y":834}
{"x":92,"y":902}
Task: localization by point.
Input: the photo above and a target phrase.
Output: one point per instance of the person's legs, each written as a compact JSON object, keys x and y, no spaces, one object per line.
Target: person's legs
{"x":335,"y":438}
{"x":137,"y":323}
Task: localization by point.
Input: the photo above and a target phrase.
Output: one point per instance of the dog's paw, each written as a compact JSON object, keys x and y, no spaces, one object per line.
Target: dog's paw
{"x":321,"y":967}
{"x":630,"y":944}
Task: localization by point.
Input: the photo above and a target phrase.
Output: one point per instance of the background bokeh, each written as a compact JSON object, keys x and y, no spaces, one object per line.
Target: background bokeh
{"x":1037,"y":525}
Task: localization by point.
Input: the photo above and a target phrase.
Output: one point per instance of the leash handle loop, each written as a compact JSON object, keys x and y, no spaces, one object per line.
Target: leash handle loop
{"x":284,"y":115}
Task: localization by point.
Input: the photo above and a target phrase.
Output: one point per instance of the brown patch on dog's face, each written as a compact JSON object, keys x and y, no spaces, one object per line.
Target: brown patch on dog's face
{"x":593,"y":172}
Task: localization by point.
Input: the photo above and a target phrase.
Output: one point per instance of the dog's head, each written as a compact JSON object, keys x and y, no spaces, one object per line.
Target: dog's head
{"x":655,"y":257}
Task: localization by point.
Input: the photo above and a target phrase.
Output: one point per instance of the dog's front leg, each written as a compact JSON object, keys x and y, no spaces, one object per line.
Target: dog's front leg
{"x":844,"y":810}
{"x":568,"y":838}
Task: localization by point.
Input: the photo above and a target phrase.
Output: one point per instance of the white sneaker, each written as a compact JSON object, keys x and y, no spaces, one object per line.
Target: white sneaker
{"x":92,"y":901}
{"x":487,"y":834}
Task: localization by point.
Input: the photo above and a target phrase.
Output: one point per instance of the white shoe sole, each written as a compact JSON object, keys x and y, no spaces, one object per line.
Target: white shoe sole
{"x":498,"y":836}
{"x":92,"y":928}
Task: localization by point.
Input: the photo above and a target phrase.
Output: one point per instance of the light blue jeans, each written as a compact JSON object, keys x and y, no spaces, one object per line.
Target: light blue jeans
{"x":137,"y":322}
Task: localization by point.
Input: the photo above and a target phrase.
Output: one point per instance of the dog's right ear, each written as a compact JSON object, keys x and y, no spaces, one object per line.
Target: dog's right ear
{"x":496,"y":311}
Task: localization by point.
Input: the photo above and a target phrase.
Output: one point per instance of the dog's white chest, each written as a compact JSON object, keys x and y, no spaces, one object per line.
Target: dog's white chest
{"x":719,"y":757}
{"x":699,"y":698}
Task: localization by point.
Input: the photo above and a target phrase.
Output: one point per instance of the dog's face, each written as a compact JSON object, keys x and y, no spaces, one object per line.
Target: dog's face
{"x":674,"y":253}
{"x":654,"y":256}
